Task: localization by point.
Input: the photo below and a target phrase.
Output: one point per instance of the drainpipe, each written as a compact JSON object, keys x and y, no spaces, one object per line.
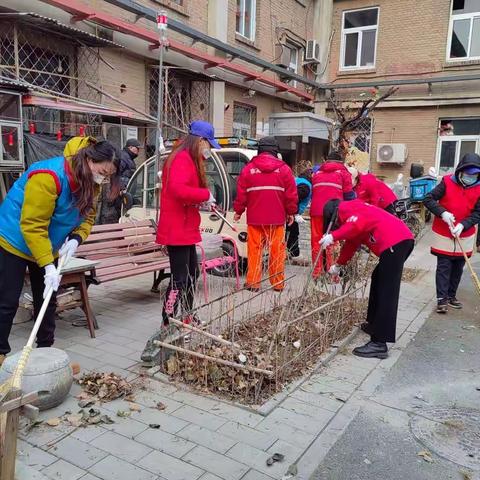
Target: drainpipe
{"x":322,"y":31}
{"x":218,"y":28}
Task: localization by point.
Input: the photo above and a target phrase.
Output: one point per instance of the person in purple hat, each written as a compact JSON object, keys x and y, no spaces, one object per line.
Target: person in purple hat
{"x":184,"y":188}
{"x":455,"y":202}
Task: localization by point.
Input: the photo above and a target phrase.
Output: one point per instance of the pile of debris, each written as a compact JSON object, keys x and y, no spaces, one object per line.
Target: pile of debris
{"x":283,"y":343}
{"x":105,"y":386}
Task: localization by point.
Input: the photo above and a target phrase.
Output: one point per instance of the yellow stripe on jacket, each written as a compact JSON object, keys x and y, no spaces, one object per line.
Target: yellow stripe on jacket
{"x":37,"y":210}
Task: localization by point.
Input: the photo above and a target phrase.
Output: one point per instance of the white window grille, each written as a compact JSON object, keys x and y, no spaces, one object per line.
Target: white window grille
{"x":244,"y":121}
{"x":359,"y":39}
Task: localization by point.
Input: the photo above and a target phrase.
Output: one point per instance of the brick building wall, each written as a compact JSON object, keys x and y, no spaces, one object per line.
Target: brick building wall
{"x":412,"y":40}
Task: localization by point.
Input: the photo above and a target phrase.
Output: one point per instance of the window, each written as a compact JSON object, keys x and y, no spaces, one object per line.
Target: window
{"x":359,"y":38}
{"x":246,"y":18}
{"x":456,"y":138}
{"x":244,"y":121}
{"x":464,"y":38}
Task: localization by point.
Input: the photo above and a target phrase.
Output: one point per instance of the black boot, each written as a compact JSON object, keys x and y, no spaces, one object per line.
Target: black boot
{"x":455,"y":303}
{"x":372,"y":350}
{"x":442,"y":306}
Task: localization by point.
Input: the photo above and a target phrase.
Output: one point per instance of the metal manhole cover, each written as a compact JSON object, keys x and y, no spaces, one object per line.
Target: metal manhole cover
{"x":452,"y":433}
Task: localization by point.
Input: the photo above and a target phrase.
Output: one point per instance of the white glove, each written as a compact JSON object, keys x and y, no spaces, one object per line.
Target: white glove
{"x":326,"y":240}
{"x":448,"y":218}
{"x":51,"y":279}
{"x":457,"y":230}
{"x":334,"y":270}
{"x":299,"y":219}
{"x":211,"y":200}
{"x":68,"y":249}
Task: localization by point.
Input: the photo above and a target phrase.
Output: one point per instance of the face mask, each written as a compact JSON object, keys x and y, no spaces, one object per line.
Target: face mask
{"x":98,"y":179}
{"x":207,"y":153}
{"x":469,"y":180}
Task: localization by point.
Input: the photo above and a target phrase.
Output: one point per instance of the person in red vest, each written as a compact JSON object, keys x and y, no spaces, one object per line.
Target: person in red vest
{"x":358,"y":223}
{"x":455,"y":202}
{"x":370,"y":189}
{"x":184,"y":188}
{"x":266,"y":188}
{"x":331,"y":181}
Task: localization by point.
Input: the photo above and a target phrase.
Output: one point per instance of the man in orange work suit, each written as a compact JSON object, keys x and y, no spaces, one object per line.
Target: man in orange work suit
{"x":266,"y":189}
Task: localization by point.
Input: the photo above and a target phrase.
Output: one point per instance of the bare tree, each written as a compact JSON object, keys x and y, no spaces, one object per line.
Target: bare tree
{"x":347,"y":118}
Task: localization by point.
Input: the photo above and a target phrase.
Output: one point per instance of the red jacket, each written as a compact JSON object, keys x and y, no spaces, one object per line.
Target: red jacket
{"x":266,"y":188}
{"x":370,"y":189}
{"x":332,"y":181}
{"x":461,"y":202}
{"x":364,"y":224}
{"x":181,"y":194}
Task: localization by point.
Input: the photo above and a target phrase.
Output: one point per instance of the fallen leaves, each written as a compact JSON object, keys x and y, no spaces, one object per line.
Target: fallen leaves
{"x":53,"y":422}
{"x":134,"y":407}
{"x":83,"y":418}
{"x":105,"y":386}
{"x":426,"y":455}
{"x":160,"y":406}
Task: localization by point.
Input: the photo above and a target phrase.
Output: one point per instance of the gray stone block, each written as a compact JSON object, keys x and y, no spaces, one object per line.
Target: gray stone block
{"x":255,"y":475}
{"x":215,"y":463}
{"x":317,"y":400}
{"x":167,"y":422}
{"x":62,"y":470}
{"x":250,"y":436}
{"x":205,"y":437}
{"x":33,"y":456}
{"x":237,"y":414}
{"x":165,"y":442}
{"x":169,"y":468}
{"x":121,"y":447}
{"x":79,"y":453}
{"x":112,"y":468}
{"x":126,"y":427}
{"x":285,"y":432}
{"x":199,"y":417}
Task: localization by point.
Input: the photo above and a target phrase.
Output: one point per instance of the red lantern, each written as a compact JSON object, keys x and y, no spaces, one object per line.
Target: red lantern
{"x":59,"y":135}
{"x":81,"y":130}
{"x":31,"y":128}
{"x":10,"y":139}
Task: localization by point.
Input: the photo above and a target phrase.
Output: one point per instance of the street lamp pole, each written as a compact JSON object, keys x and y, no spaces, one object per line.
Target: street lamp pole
{"x":162,"y":24}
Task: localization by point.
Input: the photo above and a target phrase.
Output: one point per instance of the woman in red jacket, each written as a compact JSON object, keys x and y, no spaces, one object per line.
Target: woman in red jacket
{"x":358,"y":223}
{"x":371,"y":190}
{"x":184,"y":188}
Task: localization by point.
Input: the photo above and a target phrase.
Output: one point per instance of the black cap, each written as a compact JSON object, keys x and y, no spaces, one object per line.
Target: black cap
{"x":133,"y":142}
{"x":335,"y":156}
{"x":268,"y":144}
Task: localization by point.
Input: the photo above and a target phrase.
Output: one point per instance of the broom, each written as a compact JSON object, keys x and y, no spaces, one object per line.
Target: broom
{"x":15,"y":381}
{"x":474,"y":276}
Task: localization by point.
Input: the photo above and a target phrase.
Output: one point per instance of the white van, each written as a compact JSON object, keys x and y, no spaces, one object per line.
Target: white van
{"x":222,"y":169}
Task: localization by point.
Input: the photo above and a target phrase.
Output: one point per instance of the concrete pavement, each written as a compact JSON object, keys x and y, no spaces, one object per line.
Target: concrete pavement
{"x":205,"y":437}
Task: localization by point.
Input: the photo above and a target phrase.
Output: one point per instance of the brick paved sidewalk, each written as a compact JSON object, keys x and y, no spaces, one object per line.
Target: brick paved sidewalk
{"x":199,"y":437}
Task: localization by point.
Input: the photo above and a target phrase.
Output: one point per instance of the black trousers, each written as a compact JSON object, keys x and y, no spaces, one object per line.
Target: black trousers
{"x":292,"y":234}
{"x":385,"y":291}
{"x":183,"y":279}
{"x":12,"y":275}
{"x":448,"y":276}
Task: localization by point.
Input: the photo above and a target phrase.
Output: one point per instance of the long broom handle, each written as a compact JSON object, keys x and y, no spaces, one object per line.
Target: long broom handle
{"x":222,"y":217}
{"x":474,"y":276}
{"x":43,"y":309}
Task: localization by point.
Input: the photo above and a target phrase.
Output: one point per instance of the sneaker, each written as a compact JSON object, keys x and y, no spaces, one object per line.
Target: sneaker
{"x":442,"y":306}
{"x":454,"y":303}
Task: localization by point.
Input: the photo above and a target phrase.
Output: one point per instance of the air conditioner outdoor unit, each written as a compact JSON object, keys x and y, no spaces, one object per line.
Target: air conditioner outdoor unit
{"x":391,"y":153}
{"x":312,"y":52}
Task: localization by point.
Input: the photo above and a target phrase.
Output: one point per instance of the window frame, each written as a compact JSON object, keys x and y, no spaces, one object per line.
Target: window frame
{"x":359,"y":30}
{"x":453,"y":18}
{"x":253,"y":118}
{"x":253,"y":21}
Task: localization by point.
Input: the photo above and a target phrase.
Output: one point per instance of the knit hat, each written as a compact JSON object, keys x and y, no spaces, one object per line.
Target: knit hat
{"x":268,"y":144}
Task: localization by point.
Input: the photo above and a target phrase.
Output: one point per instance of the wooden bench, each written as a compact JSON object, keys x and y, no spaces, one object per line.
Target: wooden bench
{"x":122,"y":250}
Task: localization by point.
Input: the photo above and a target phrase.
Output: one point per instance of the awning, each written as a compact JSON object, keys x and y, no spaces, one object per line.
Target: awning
{"x":51,"y":24}
{"x":16,"y":85}
{"x":82,"y":107}
{"x":300,"y":124}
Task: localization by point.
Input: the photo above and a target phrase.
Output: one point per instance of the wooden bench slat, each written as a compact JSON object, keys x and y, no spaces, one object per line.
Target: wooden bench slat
{"x":127,"y":273}
{"x":121,"y":226}
{"x":120,"y":259}
{"x":131,"y":232}
{"x":132,"y":267}
{"x":107,"y":245}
